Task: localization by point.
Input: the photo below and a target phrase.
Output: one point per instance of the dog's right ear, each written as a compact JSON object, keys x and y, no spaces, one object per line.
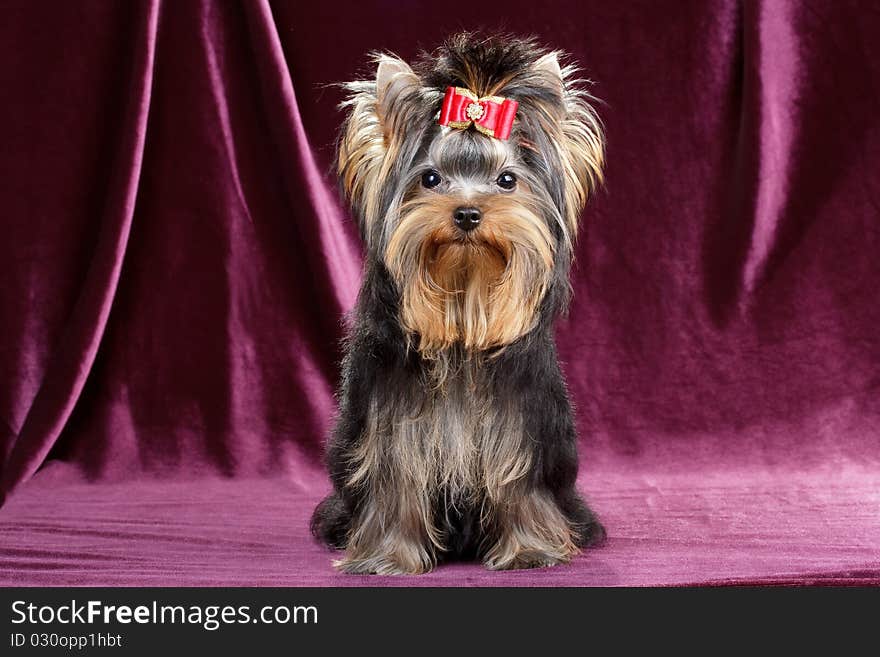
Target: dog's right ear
{"x":373,"y":133}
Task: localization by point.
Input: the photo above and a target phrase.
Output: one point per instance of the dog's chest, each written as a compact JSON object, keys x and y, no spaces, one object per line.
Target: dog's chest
{"x":463,"y":438}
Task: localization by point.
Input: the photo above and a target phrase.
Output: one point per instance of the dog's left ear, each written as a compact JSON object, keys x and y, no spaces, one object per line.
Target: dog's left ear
{"x":549,"y":66}
{"x":580,"y":143}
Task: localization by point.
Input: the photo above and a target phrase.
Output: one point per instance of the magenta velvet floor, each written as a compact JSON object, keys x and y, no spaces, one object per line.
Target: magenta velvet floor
{"x":732,"y":526}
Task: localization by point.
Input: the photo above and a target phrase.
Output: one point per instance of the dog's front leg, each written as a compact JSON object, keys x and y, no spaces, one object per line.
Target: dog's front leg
{"x":530,"y":532}
{"x":392,"y":533}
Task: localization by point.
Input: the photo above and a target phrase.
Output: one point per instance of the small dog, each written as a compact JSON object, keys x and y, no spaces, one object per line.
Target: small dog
{"x":455,"y":437}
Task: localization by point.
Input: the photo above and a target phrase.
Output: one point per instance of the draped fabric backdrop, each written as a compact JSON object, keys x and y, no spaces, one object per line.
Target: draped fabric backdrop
{"x":176,"y":264}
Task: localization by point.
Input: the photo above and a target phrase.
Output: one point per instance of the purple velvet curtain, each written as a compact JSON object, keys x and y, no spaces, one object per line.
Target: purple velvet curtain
{"x":176,"y":265}
{"x":176,"y":262}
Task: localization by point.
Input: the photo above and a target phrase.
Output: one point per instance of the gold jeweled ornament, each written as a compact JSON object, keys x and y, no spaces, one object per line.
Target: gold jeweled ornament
{"x":475,"y":111}
{"x":490,"y":115}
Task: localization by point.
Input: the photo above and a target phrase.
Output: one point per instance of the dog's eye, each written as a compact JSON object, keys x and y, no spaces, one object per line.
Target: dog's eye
{"x":431,"y":179}
{"x":506,"y":180}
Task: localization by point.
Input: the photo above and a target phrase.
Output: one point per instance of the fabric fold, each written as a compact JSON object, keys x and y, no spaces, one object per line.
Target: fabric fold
{"x":75,"y":354}
{"x":337,"y":252}
{"x":779,"y":85}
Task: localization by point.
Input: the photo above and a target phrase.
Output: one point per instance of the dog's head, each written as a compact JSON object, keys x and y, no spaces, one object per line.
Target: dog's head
{"x":475,"y":225}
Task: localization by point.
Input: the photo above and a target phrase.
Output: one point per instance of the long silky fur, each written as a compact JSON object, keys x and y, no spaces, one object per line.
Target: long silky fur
{"x":455,"y":437}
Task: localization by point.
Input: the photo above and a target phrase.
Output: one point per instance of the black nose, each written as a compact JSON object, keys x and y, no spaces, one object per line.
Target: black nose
{"x":467,"y":218}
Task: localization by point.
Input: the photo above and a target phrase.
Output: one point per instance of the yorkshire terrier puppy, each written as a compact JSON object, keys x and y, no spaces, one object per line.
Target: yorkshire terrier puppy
{"x":455,"y":439}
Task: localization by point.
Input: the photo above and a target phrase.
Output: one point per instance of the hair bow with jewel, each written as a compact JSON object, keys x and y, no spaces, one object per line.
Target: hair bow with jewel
{"x":491,"y":115}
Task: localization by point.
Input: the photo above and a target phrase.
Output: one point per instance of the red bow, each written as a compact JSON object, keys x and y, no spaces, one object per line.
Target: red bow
{"x":491,"y":115}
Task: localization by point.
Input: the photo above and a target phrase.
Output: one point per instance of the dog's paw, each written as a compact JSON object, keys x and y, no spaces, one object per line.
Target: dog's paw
{"x":592,"y":534}
{"x":380,"y":565}
{"x":527,"y":559}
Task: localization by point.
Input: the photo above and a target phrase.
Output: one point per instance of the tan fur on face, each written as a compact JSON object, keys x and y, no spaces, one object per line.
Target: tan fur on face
{"x":480,"y":290}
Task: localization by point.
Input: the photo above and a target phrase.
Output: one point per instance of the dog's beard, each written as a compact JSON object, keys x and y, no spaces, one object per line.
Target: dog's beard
{"x":480,"y":290}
